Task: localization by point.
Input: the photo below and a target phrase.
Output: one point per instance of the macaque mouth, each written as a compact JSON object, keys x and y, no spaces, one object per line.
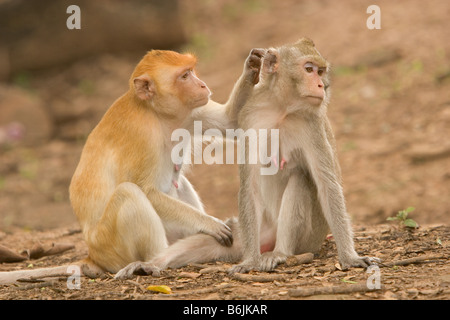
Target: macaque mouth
{"x":315,"y":97}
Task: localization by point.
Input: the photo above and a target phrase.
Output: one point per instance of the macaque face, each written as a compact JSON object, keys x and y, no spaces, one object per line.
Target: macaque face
{"x":167,"y":78}
{"x":312,"y":85}
{"x":192,"y":91}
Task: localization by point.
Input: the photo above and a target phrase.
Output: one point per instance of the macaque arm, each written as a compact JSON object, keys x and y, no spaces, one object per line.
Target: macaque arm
{"x":224,"y":116}
{"x":172,"y":210}
{"x":332,"y":141}
{"x":250,"y":220}
{"x":320,"y":157}
{"x":212,"y":115}
{"x":244,"y":86}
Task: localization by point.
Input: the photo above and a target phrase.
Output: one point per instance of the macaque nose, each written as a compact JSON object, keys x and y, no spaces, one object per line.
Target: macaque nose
{"x":202,"y":84}
{"x":320,"y":83}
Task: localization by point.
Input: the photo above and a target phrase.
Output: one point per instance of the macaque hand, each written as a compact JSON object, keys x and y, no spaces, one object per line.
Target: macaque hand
{"x":253,"y":65}
{"x":219,"y":231}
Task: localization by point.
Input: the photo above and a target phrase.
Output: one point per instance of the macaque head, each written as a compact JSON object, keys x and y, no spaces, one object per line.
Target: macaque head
{"x":167,"y":79}
{"x":301,"y":68}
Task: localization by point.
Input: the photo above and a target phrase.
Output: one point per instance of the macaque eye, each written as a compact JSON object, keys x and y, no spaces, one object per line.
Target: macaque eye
{"x":320,"y":72}
{"x":309,"y":67}
{"x":186,"y":75}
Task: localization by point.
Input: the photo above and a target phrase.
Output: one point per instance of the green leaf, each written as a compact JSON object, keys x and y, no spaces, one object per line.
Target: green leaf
{"x":402,"y":215}
{"x":410,"y":209}
{"x":392,"y":218}
{"x":410,"y":223}
{"x":349,"y":281}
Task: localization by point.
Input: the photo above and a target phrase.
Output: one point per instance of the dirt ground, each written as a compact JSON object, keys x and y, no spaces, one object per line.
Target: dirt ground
{"x":390,"y":111}
{"x":420,"y":271}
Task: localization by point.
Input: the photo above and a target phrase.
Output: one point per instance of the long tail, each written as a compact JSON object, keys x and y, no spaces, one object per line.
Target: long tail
{"x":86,"y":267}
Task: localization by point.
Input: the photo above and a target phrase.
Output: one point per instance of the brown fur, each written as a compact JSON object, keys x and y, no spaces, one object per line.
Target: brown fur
{"x":130,"y":200}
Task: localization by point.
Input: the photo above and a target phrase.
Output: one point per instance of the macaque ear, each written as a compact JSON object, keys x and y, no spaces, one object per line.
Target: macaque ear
{"x":271,"y":61}
{"x":144,"y":87}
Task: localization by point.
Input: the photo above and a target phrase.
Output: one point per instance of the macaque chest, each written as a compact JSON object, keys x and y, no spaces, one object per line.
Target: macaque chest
{"x":169,"y":175}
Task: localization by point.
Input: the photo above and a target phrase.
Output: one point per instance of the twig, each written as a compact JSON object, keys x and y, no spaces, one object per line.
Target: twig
{"x":305,"y":292}
{"x":71,"y":232}
{"x":137,"y":285}
{"x":36,"y":285}
{"x":259,"y":278}
{"x":201,"y":291}
{"x":41,"y":278}
{"x":404,"y":262}
{"x":299,"y":259}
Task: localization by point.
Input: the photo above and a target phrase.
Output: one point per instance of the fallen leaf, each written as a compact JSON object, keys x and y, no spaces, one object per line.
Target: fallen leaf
{"x":162,"y":289}
{"x":191,"y":275}
{"x":213,"y":270}
{"x":222,"y":285}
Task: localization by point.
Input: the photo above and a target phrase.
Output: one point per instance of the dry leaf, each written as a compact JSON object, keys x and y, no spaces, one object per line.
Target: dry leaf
{"x":191,"y":275}
{"x":162,"y":289}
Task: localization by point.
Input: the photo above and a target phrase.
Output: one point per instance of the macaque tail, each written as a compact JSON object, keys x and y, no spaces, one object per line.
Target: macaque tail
{"x":86,"y":267}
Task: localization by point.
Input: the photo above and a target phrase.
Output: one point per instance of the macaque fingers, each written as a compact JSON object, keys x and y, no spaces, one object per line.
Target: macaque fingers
{"x":254,"y":63}
{"x":221,"y":232}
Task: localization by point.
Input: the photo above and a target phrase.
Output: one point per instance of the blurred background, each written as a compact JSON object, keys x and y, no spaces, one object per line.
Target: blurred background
{"x":390,"y":106}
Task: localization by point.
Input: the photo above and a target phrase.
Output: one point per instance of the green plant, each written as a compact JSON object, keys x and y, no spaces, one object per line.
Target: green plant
{"x":402,"y":217}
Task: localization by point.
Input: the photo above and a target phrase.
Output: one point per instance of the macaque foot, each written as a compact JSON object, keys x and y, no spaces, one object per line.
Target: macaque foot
{"x":267,"y":262}
{"x":243,"y":267}
{"x":137,"y":268}
{"x":359,"y":262}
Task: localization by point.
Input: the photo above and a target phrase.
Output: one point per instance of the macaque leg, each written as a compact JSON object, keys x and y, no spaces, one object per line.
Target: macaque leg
{"x":197,"y":248}
{"x":130,"y":230}
{"x":292,"y":217}
{"x":301,"y":224}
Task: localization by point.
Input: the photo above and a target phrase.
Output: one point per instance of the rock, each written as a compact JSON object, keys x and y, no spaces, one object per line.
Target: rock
{"x":34,"y":33}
